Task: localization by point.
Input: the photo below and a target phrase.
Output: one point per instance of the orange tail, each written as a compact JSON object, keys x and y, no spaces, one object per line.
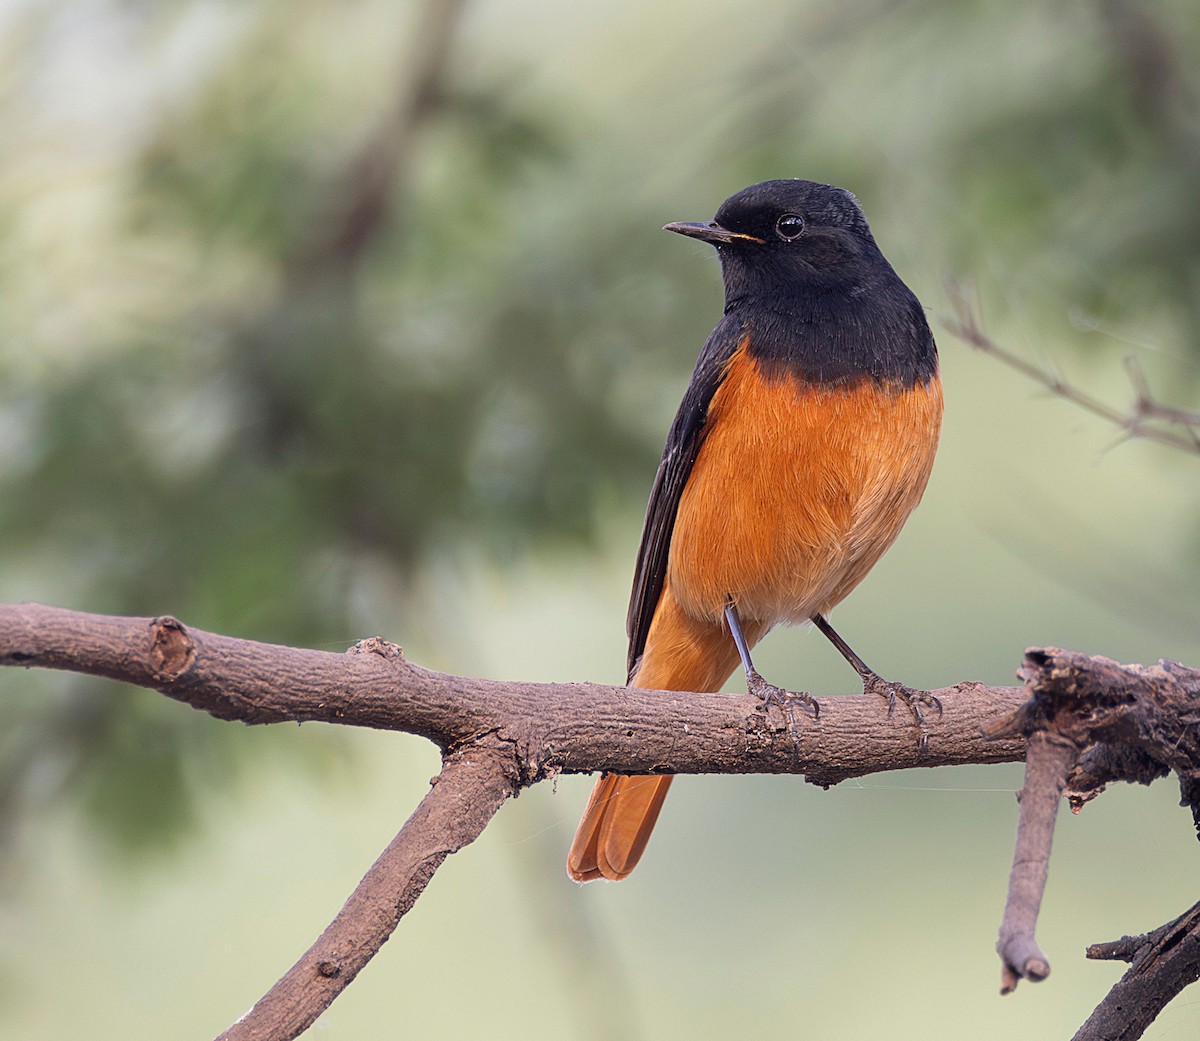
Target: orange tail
{"x":681,"y":653}
{"x":616,"y":826}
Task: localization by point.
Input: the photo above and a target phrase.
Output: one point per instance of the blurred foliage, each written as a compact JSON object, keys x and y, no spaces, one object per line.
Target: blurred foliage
{"x":279,"y":320}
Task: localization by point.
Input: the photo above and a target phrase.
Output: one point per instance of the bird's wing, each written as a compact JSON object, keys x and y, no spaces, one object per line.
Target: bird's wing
{"x":679,"y":455}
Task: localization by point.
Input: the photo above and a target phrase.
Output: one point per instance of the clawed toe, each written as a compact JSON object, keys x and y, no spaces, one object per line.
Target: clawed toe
{"x":770,"y":694}
{"x":916,"y":701}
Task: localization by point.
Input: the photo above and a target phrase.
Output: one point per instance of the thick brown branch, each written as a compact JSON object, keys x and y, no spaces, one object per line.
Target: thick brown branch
{"x":550,"y":727}
{"x":464,"y":797}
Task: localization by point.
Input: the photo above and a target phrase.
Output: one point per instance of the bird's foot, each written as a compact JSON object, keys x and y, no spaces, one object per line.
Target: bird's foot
{"x":916,"y":701}
{"x":770,"y":694}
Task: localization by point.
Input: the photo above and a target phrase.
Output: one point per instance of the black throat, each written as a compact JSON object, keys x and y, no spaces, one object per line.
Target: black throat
{"x":836,"y":338}
{"x":836,"y":319}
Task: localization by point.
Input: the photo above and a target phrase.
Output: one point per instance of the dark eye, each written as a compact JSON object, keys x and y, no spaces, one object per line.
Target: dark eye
{"x":789,"y":226}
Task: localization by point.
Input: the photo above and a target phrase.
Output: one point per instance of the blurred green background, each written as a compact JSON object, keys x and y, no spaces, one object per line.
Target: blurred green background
{"x":322,"y":320}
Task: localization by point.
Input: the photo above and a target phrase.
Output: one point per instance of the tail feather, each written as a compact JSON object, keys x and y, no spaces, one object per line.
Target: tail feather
{"x":583,"y":861}
{"x":681,"y":653}
{"x":616,"y":826}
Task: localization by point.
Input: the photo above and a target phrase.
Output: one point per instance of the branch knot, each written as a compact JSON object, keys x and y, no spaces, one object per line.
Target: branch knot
{"x":172,"y":651}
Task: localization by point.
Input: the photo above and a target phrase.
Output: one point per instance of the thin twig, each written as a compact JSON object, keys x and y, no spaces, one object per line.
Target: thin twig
{"x":1164,"y":962}
{"x":1146,"y":418}
{"x":1048,"y":761}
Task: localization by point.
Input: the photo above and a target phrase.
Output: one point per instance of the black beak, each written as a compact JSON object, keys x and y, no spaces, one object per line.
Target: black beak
{"x":710,"y":231}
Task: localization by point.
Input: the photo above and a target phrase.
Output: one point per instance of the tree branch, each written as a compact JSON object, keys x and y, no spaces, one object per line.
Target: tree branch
{"x":1164,"y":962}
{"x":1131,"y":721}
{"x":1146,"y":417}
{"x":465,"y":796}
{"x":384,"y":163}
{"x":550,"y":728}
{"x":1048,"y":761}
{"x":1079,"y":702}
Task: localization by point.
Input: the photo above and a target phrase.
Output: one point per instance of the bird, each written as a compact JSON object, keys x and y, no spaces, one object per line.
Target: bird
{"x":804,"y":440}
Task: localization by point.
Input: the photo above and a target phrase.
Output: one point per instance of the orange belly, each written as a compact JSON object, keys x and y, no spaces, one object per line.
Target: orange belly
{"x":797,"y":491}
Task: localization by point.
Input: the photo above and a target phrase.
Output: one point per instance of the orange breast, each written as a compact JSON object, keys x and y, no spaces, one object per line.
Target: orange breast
{"x":797,"y":491}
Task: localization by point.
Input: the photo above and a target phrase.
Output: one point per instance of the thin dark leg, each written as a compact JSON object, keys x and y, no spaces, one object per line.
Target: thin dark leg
{"x":873,"y":683}
{"x":739,"y":639}
{"x":760,"y":688}
{"x":865,"y":672}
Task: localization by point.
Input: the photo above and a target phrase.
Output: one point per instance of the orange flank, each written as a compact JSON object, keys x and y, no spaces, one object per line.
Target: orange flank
{"x":796,"y":492}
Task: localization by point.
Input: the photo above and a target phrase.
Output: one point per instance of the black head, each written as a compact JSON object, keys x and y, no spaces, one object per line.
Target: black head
{"x":780,"y":235}
{"x":804,"y":277}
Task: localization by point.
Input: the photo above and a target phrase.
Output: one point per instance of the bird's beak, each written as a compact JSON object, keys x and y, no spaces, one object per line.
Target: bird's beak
{"x":710,"y":231}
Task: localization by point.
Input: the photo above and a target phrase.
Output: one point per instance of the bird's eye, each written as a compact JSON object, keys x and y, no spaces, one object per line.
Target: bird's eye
{"x":789,"y":226}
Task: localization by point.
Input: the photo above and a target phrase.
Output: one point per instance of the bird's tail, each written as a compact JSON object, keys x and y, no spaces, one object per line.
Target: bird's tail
{"x":681,"y":653}
{"x":616,"y":826}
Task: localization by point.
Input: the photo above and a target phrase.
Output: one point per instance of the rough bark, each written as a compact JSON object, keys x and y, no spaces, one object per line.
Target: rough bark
{"x":550,"y":728}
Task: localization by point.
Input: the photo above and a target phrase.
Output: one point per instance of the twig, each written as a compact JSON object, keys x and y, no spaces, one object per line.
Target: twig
{"x":1048,"y":761}
{"x":1079,"y":702}
{"x":1146,"y":418}
{"x":464,"y":797}
{"x":1164,"y":962}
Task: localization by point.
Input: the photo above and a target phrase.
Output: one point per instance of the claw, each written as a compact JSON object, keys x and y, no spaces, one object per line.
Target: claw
{"x":770,"y":694}
{"x":913,"y":700}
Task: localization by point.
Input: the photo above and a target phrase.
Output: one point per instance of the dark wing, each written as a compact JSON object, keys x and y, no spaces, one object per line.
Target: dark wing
{"x":683,"y":445}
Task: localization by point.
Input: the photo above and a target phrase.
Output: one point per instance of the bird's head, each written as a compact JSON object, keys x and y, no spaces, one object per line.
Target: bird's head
{"x":783,"y":237}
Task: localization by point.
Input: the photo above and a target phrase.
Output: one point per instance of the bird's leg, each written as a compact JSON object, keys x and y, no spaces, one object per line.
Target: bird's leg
{"x":760,"y":688}
{"x":873,"y":683}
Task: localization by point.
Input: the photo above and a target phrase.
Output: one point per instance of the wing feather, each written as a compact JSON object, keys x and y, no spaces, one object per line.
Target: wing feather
{"x":683,"y":445}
